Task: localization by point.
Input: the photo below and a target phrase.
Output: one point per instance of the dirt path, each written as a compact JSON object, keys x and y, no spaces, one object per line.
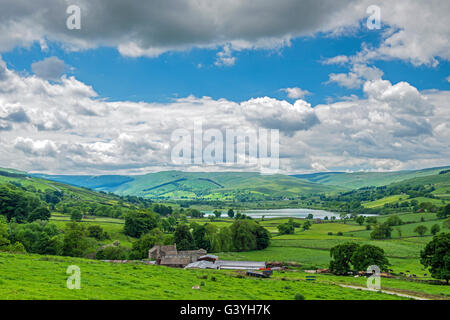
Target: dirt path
{"x":384,"y":291}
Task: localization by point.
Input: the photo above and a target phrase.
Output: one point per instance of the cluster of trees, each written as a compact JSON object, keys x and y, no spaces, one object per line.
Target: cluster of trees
{"x":289,"y":227}
{"x":242,"y":235}
{"x":21,"y":206}
{"x":436,"y":256}
{"x":43,"y":237}
{"x":352,"y":201}
{"x":351,"y":256}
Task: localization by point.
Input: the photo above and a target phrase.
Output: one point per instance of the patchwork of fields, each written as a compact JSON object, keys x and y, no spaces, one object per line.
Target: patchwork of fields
{"x":310,"y":249}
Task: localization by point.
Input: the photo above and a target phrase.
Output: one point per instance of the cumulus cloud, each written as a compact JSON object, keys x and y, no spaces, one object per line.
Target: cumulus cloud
{"x":63,"y":127}
{"x":281,"y":115}
{"x":356,"y":77}
{"x":51,"y":68}
{"x":138,"y":28}
{"x":296,"y":92}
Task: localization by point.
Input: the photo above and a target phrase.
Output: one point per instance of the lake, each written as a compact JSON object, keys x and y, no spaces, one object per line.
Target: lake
{"x":283,"y":213}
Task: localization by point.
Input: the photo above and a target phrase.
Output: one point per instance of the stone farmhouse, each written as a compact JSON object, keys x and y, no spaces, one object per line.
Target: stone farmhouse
{"x":197,"y":259}
{"x":170,"y":256}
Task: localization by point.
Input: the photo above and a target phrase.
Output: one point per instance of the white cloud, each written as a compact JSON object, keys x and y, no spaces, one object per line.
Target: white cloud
{"x":356,"y":77}
{"x":51,"y":68}
{"x":336,"y":60}
{"x":64,"y":128}
{"x":152,"y":28}
{"x":448,"y":79}
{"x":296,"y":92}
{"x":225,"y":58}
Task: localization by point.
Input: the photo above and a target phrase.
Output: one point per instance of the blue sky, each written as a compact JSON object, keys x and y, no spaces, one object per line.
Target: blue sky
{"x":255,"y":73}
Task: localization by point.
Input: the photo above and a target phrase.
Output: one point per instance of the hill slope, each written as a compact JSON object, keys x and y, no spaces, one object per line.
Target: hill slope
{"x":193,"y":185}
{"x":356,"y":180}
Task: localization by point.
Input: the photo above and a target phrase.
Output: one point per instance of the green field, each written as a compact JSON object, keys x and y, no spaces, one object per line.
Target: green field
{"x":44,"y":277}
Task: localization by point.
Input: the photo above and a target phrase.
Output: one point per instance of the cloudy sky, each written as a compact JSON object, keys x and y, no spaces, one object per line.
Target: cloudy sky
{"x":106,"y":98}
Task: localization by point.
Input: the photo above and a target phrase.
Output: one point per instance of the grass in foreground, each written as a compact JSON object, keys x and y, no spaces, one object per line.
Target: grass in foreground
{"x":44,"y":277}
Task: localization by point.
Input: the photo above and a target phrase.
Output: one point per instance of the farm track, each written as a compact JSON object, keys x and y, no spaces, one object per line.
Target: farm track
{"x":397,"y":292}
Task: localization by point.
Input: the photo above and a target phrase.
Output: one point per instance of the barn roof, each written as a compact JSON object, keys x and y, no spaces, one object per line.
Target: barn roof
{"x":230,"y":264}
{"x":201,"y":265}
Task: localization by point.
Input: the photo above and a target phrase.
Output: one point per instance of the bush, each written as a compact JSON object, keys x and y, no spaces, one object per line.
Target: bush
{"x":340,"y":233}
{"x":330,"y":233}
{"x":299,"y":296}
{"x":97,"y":233}
{"x":112,"y":252}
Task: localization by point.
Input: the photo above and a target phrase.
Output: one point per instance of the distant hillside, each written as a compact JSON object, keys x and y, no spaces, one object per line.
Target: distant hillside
{"x":102,"y":183}
{"x":41,"y":185}
{"x":365,"y":179}
{"x":190,"y":185}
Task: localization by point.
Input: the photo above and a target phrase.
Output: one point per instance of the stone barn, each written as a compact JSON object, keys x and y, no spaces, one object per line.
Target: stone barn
{"x":170,"y":256}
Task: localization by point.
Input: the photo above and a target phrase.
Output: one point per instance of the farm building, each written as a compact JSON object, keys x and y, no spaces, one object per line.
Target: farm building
{"x":197,"y":259}
{"x":209,"y":257}
{"x":170,"y":256}
{"x":227,"y":265}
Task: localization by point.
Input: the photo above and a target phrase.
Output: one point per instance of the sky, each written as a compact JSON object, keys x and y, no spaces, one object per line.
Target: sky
{"x":345,"y":93}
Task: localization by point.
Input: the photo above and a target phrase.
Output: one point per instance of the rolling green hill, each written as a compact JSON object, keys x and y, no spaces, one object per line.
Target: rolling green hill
{"x":41,"y":185}
{"x":190,"y":185}
{"x":356,"y":180}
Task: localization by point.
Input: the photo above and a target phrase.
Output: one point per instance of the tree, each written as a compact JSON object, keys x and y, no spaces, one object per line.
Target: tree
{"x":75,"y":243}
{"x":420,"y":230}
{"x":436,"y":256}
{"x":262,"y":237}
{"x":230,"y":213}
{"x":394,"y":221}
{"x":435,"y":229}
{"x":446,"y":223}
{"x":200,"y":239}
{"x":399,"y":232}
{"x":286,"y":228}
{"x":141,"y":222}
{"x":306,"y":225}
{"x":183,"y":238}
{"x":343,"y":216}
{"x":76,"y":215}
{"x":341,"y":257}
{"x":217,"y":213}
{"x":360,"y":220}
{"x":371,"y":220}
{"x":242,"y":234}
{"x":17,"y":204}
{"x":381,"y":231}
{"x":141,"y":247}
{"x":4,"y":241}
{"x":444,"y":212}
{"x":368,"y":255}
{"x":40,"y":213}
{"x":97,"y":232}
